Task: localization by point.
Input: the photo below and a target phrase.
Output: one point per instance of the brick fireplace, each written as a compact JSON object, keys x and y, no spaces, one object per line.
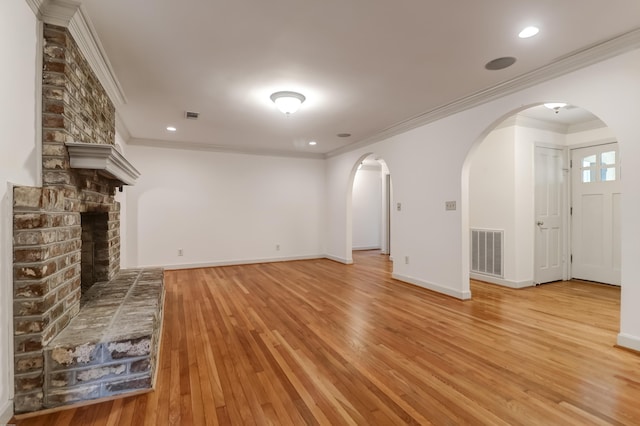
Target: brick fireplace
{"x":67,"y":238}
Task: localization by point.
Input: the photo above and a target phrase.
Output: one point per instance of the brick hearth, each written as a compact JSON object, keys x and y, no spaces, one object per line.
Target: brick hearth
{"x":107,"y":348}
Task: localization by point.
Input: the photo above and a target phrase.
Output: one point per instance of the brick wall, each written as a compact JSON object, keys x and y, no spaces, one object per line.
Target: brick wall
{"x":47,"y":220}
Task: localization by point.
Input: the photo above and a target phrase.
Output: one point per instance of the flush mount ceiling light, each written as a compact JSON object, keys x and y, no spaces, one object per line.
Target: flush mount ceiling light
{"x":313,"y":143}
{"x":171,"y":129}
{"x":288,"y":102}
{"x":555,"y":106}
{"x":529,"y":32}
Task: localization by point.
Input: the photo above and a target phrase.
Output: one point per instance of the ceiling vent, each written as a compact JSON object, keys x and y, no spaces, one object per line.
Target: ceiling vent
{"x":191,"y":115}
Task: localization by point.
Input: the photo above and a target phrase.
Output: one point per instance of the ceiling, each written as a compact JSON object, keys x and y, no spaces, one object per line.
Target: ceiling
{"x":365,"y":67}
{"x":569,"y":116}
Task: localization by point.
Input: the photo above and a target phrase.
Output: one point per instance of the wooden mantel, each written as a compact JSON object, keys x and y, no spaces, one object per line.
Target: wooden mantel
{"x":105,"y":158}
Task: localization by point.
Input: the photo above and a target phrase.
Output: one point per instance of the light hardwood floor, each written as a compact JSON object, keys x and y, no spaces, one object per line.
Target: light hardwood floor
{"x":317,"y":342}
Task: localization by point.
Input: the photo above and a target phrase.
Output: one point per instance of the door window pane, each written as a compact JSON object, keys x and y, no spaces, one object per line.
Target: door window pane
{"x":587,"y":176}
{"x":608,"y":174}
{"x":608,"y":158}
{"x":589,"y":161}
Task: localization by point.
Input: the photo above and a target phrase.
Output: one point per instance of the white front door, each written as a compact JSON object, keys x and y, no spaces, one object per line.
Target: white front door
{"x":595,"y":226}
{"x":549,"y":202}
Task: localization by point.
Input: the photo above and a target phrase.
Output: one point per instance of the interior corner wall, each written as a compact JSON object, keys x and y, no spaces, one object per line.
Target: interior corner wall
{"x":121,"y":198}
{"x":492,"y":193}
{"x":18,"y":158}
{"x":222,"y":208}
{"x":366,"y":205}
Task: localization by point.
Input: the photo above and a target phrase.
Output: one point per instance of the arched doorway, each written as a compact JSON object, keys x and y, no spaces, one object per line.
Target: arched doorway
{"x":369,"y":205}
{"x":531,"y":217}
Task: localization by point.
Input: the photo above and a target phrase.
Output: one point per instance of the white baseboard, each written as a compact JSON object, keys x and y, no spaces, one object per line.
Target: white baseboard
{"x":629,"y":341}
{"x":356,"y":248}
{"x":462,"y":295}
{"x":236,"y":262}
{"x":6,"y":411}
{"x":501,"y":281}
{"x":339,"y":259}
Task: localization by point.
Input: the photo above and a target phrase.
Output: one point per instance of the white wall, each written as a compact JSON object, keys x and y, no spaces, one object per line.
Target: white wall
{"x":366,"y":205}
{"x":492,"y":193}
{"x":222,"y":208}
{"x":121,"y":197}
{"x":433,"y":238}
{"x":18,"y":159}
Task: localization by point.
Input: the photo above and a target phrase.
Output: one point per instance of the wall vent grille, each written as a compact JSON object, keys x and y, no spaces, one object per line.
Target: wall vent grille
{"x":487,"y":252}
{"x":191,"y":115}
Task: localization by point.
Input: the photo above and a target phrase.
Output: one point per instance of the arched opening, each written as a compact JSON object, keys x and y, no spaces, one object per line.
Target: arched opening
{"x":369,"y":206}
{"x":542,"y":189}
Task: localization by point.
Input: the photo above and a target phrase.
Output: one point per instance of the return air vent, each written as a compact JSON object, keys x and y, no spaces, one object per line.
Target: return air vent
{"x":487,"y":252}
{"x":191,"y":115}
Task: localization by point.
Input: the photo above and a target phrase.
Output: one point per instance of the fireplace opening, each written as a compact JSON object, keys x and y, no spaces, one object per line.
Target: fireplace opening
{"x":94,"y":260}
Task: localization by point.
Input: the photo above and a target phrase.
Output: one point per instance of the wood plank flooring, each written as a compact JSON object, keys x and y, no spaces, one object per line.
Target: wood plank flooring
{"x":317,"y":342}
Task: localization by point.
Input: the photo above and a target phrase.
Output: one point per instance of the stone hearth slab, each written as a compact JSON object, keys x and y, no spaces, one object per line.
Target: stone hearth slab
{"x":111,"y":346}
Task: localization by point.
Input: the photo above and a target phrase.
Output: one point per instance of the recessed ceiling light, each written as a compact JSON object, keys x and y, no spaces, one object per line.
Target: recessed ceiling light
{"x":500,"y":63}
{"x":171,"y":128}
{"x":529,"y":32}
{"x":343,"y":135}
{"x":312,"y":143}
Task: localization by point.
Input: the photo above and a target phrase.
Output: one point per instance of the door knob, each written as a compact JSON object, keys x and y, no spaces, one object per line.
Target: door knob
{"x":540,"y":223}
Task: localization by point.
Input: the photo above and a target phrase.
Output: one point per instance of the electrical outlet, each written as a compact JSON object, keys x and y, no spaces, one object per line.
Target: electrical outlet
{"x":180,"y":252}
{"x":406,"y":260}
{"x":449,"y":205}
{"x":277,"y":247}
{"x":399,"y":206}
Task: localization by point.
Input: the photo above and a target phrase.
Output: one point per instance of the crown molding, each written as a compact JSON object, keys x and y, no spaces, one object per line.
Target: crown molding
{"x":571,"y":62}
{"x":72,"y":14}
{"x":35,"y":6}
{"x":535,"y":123}
{"x":153,"y":143}
{"x":585,"y":127}
{"x":87,"y":39}
{"x":55,"y":12}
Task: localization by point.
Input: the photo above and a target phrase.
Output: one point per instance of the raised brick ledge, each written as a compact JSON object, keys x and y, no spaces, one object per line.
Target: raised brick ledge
{"x":111,"y":346}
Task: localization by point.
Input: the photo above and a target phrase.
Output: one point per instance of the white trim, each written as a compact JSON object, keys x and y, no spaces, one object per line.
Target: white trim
{"x":535,"y":123}
{"x":597,"y":142}
{"x":501,"y":281}
{"x":197,"y":265}
{"x":356,"y":248}
{"x":629,"y":341}
{"x":102,"y":157}
{"x":339,"y":259}
{"x":58,"y":12}
{"x":571,"y":62}
{"x":38,"y":100}
{"x":6,"y":412}
{"x":6,"y":314}
{"x":587,"y":126}
{"x":462,"y":295}
{"x":221,"y":148}
{"x":35,"y":6}
{"x":89,"y":44}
